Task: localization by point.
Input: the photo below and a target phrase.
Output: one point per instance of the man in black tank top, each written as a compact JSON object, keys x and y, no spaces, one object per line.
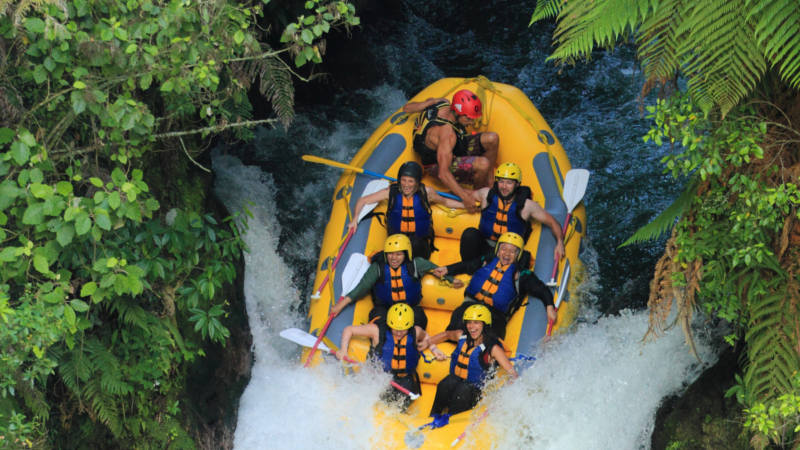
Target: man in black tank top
{"x":445,"y":147}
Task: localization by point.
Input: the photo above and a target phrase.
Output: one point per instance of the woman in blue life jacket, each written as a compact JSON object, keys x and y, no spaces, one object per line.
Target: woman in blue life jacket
{"x":396,"y":346}
{"x":393,"y":277}
{"x":408,"y":209}
{"x":477,"y":353}
{"x":507,"y":206}
{"x":500,"y":283}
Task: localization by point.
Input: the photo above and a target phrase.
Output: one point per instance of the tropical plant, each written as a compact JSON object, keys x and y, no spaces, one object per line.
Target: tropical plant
{"x":735,"y":244}
{"x":111,"y":269}
{"x":723,"y":48}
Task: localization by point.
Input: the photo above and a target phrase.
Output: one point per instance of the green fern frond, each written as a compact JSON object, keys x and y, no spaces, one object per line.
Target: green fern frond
{"x":103,"y":407}
{"x":108,"y":367}
{"x":276,"y":84}
{"x":583,"y":24}
{"x":664,"y":222}
{"x":131,"y":313}
{"x":546,"y":9}
{"x":777,"y":30}
{"x":720,"y":54}
{"x":75,"y":368}
{"x":657,"y":43}
{"x":769,"y":338}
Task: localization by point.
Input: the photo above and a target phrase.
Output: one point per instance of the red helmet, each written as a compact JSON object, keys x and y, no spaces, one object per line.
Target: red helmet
{"x":466,"y":103}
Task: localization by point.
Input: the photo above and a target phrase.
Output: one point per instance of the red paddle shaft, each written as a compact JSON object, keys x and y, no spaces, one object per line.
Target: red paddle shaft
{"x":335,"y":262}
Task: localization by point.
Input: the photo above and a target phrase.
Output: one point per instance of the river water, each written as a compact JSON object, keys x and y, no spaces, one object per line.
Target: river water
{"x":596,"y":387}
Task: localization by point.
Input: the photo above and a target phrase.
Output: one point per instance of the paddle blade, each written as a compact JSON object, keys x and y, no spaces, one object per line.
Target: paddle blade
{"x":371,"y":188}
{"x":562,"y":287}
{"x":355,"y":269}
{"x":574,"y":187}
{"x":300,"y":337}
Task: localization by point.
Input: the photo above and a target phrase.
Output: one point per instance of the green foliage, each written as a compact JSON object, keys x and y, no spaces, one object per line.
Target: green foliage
{"x":107,"y":292}
{"x":722,"y":47}
{"x":301,"y":35}
{"x":665,"y":220}
{"x":779,"y":419}
{"x":748,"y":203}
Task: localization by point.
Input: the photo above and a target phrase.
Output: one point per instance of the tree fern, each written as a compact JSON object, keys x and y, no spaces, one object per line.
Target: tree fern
{"x":723,"y":47}
{"x":719,"y":53}
{"x":777,"y":30}
{"x":657,"y":42}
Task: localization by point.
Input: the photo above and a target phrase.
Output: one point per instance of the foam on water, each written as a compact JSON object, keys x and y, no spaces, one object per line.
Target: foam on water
{"x":284,"y":405}
{"x":597,"y":387}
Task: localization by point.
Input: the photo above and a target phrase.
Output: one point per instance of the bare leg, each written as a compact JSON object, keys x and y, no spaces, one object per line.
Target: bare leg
{"x":490,"y":142}
{"x":481,"y":172}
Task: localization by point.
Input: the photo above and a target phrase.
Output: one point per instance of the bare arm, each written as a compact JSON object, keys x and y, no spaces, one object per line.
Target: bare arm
{"x":375,"y":197}
{"x":369,"y":330}
{"x":413,"y":107}
{"x":447,"y":335}
{"x":424,"y":342}
{"x":480,"y":196}
{"x":434,"y":197}
{"x":532,"y":210}
{"x":500,"y":356}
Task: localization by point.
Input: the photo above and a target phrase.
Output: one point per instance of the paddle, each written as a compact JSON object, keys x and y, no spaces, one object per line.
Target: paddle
{"x":371,"y":187}
{"x":299,"y":336}
{"x":574,"y":188}
{"x":469,"y":427}
{"x":562,"y":289}
{"x":356,"y":266}
{"x":330,"y":162}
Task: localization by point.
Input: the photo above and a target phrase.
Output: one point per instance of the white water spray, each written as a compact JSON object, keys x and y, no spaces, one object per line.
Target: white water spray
{"x":596,"y":387}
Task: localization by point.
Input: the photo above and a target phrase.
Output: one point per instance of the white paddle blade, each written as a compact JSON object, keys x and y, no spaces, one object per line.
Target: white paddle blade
{"x":300,"y":337}
{"x":371,"y":188}
{"x":574,"y":187}
{"x":355,"y":269}
{"x":562,"y":288}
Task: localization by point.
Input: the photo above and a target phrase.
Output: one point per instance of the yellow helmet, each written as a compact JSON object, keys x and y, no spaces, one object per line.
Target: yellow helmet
{"x":478,"y":312}
{"x":509,"y":170}
{"x":400,"y":317}
{"x":510,"y":238}
{"x":398,"y":243}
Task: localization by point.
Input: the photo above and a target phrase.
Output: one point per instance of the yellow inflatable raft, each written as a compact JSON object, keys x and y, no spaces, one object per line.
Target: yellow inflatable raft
{"x":527,"y":140}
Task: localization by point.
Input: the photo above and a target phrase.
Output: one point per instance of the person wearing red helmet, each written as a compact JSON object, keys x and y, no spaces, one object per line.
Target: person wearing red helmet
{"x":446,"y":148}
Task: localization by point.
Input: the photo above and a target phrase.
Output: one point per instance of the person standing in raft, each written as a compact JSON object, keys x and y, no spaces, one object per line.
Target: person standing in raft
{"x":507,"y":206}
{"x":394,"y":277}
{"x":447,"y":150}
{"x":475,"y":355}
{"x":499,"y":283}
{"x":408,"y":210}
{"x":396,"y":345}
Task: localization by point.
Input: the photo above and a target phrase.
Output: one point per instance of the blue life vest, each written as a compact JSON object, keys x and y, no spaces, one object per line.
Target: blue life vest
{"x":401,"y":361}
{"x":481,"y":282}
{"x":421,"y":213}
{"x":513,"y":220}
{"x":382,"y":290}
{"x":468,"y":364}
